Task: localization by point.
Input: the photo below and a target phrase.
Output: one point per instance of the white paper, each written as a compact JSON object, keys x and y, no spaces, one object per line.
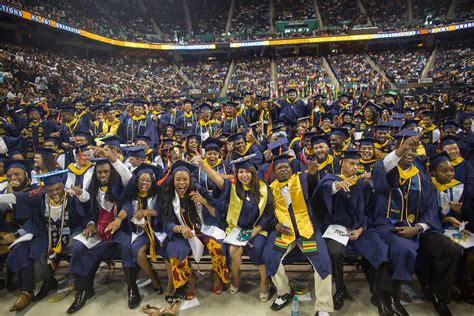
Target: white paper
{"x":306,"y":297}
{"x":88,"y":242}
{"x":189,"y":304}
{"x":231,"y":238}
{"x":213,"y":231}
{"x":23,"y":238}
{"x":197,"y":248}
{"x":337,"y":233}
{"x":466,"y":240}
{"x":137,"y":222}
{"x":160,"y":236}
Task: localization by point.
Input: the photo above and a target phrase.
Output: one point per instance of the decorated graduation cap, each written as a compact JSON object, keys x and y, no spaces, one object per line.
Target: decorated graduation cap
{"x":278,"y":146}
{"x":212,"y":144}
{"x":237,"y":136}
{"x":137,"y":151}
{"x":449,"y":140}
{"x":24,"y":164}
{"x":45,"y":151}
{"x":435,"y":160}
{"x":53,"y":177}
{"x":244,"y":162}
{"x":340,"y":132}
{"x":350,"y":154}
{"x":318,"y":139}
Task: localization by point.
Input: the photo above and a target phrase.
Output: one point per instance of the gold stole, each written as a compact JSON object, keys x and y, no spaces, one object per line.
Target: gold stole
{"x":79,"y":171}
{"x":300,"y":209}
{"x":457,"y":161}
{"x":235,"y":206}
{"x":443,"y":187}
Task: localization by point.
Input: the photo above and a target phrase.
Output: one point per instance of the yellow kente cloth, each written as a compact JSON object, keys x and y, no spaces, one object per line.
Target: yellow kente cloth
{"x":235,"y":206}
{"x":300,"y":209}
{"x":443,"y":187}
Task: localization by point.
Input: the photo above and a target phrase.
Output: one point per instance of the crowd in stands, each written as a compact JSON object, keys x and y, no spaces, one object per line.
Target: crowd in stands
{"x":306,"y":73}
{"x":387,"y":15}
{"x":353,"y":72}
{"x":209,"y":76}
{"x":209,"y":16}
{"x":401,"y":65}
{"x":340,"y":15}
{"x":287,"y":10}
{"x":67,"y":74}
{"x":250,"y":18}
{"x":454,"y":65}
{"x":166,"y":21}
{"x":252,"y":75}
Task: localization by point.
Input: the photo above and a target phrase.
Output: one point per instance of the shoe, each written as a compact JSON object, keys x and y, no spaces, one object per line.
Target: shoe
{"x":233,"y":289}
{"x":396,"y":306}
{"x":23,"y":300}
{"x":282,"y":300}
{"x":441,"y":308}
{"x":382,"y":306}
{"x":46,"y":287}
{"x":80,"y":300}
{"x":339,"y":298}
{"x":134,"y":297}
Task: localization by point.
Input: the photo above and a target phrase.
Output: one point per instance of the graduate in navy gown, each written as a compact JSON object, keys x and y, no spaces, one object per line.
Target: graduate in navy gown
{"x":232,"y":123}
{"x":348,"y":202}
{"x":292,"y":108}
{"x":327,"y":163}
{"x":455,"y":207}
{"x":406,"y":217}
{"x":182,"y":205}
{"x":140,"y":201}
{"x":295,"y":225}
{"x":246,"y":205}
{"x":109,"y":225}
{"x":243,"y":148}
{"x":53,"y":220}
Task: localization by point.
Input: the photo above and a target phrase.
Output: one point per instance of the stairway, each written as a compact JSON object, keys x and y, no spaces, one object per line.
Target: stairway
{"x":362,"y":9}
{"x":410,"y":12}
{"x":379,"y":70}
{"x":330,"y":73}
{"x":318,"y":15}
{"x":228,"y":25}
{"x":187,"y":15}
{"x":451,"y":9}
{"x":429,"y":64}
{"x":274,"y":75}
{"x":230,"y":71}
{"x":183,"y":76}
{"x":142,"y":7}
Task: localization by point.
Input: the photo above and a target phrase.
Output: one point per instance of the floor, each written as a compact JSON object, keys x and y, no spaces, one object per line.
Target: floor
{"x":110,"y":298}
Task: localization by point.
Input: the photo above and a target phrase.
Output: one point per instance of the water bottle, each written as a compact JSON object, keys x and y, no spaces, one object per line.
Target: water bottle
{"x":295,"y":306}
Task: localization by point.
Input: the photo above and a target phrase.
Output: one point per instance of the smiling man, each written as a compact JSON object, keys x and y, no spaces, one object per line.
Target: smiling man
{"x":406,"y":217}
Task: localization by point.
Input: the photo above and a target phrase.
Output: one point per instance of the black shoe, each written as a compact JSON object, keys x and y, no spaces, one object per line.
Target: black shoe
{"x":339,"y":298}
{"x":396,"y":306}
{"x":80,"y":301}
{"x":134,"y":297}
{"x":282,"y":301}
{"x":441,"y":308}
{"x":158,"y":290}
{"x":47,"y":286}
{"x":382,"y":306}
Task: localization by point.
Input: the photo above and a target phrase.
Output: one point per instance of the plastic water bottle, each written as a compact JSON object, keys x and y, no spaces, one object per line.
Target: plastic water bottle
{"x":295,"y":306}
